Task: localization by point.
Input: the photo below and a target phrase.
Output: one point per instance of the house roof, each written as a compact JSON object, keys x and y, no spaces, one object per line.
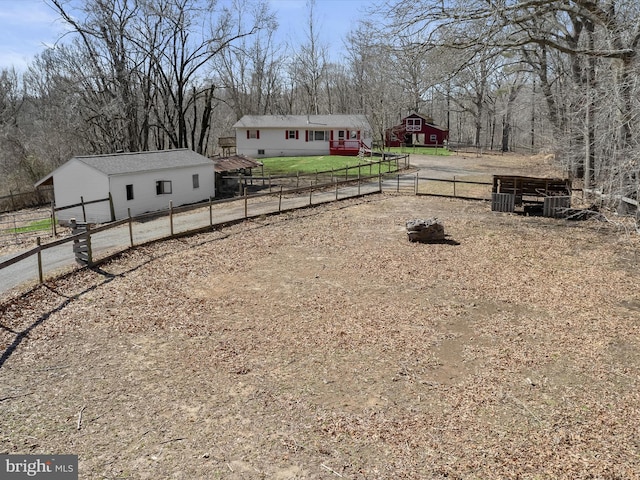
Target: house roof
{"x":303,"y":121}
{"x":234,"y":162}
{"x":135,"y":162}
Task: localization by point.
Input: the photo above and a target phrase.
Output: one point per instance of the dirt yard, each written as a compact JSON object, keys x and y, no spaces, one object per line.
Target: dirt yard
{"x":322,"y":344}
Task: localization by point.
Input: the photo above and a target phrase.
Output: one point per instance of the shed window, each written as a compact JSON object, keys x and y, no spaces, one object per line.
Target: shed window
{"x":129,"y":192}
{"x":196,"y":180}
{"x":163,"y":187}
{"x":433,"y":138}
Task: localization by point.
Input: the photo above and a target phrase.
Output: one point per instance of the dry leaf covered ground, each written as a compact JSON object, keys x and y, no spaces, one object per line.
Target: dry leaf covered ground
{"x":322,"y":344}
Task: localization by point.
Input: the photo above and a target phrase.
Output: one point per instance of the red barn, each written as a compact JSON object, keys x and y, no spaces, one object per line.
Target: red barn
{"x":416,"y":130}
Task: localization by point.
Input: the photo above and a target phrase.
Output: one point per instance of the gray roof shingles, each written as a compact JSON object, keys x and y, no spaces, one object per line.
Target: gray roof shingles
{"x":132,"y":162}
{"x":303,"y":121}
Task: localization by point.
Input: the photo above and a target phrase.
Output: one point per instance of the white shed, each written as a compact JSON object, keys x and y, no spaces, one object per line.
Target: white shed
{"x":261,"y":136}
{"x":139,"y":181}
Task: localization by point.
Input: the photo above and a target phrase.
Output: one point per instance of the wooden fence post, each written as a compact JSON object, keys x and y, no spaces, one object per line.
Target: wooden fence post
{"x":53,"y":219}
{"x":310,"y":194}
{"x":171,"y":216}
{"x":336,"y":189}
{"x":89,"y":251}
{"x":380,"y":181}
{"x":454,"y":186}
{"x":130,"y":227}
{"x":269,"y":183}
{"x":346,"y":172}
{"x":246,"y":210}
{"x":415,"y":189}
{"x":40,"y":276}
{"x":297,"y":179}
{"x":358,"y":180}
{"x":398,"y":188}
{"x":280,"y":200}
{"x":84,"y":211}
{"x":111,"y":208}
{"x":211,"y":211}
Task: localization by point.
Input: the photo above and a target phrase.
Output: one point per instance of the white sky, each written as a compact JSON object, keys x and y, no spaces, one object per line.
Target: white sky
{"x":28,"y":26}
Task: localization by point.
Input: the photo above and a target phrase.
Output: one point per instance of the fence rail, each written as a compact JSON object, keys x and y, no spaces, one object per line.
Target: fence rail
{"x":191,"y":219}
{"x":19,"y":200}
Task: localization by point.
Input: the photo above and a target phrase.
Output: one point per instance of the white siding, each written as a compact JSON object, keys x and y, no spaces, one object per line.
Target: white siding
{"x":275,"y":144}
{"x":75,"y":180}
{"x":145,"y":198}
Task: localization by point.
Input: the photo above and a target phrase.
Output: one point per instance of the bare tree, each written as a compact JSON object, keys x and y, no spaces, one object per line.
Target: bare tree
{"x":309,"y":65}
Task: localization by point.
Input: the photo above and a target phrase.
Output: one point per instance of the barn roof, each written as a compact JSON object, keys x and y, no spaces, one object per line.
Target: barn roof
{"x":136,"y":162}
{"x":303,"y":121}
{"x":234,"y":162}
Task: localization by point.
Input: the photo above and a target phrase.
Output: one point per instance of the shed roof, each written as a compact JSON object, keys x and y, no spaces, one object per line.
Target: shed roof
{"x":234,"y":162}
{"x":133,"y":162}
{"x":303,"y":121}
{"x":136,"y":162}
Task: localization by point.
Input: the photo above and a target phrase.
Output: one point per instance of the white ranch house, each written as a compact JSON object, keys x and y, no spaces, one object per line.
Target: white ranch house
{"x":139,"y":181}
{"x":260,"y":136}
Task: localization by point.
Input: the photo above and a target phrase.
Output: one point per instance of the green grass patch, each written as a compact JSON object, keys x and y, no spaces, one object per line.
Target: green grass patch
{"x":420,"y":150}
{"x":313,"y":164}
{"x":38,"y":225}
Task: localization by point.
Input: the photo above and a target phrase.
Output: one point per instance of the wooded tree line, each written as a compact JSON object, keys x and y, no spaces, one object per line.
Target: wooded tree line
{"x":543,"y":75}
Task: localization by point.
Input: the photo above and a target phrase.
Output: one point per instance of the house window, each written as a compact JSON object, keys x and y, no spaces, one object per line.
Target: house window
{"x":319,"y":136}
{"x":260,"y":152}
{"x":195,"y":178}
{"x":414,"y":124}
{"x":291,"y":134}
{"x":433,"y":138}
{"x":353,"y":134}
{"x":163,"y":187}
{"x":129,"y":192}
{"x":340,"y":134}
{"x":253,"y":134}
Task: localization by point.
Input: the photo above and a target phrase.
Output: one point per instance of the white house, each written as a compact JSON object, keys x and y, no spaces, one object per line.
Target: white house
{"x":299,"y":135}
{"x":139,"y":181}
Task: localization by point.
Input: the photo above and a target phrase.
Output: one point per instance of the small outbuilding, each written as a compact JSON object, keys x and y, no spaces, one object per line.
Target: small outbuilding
{"x":262,"y":136}
{"x":416,"y":130}
{"x":229,"y":170}
{"x":139,"y":182}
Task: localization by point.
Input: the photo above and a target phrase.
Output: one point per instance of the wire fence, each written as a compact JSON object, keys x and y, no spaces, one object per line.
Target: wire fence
{"x":23,"y":226}
{"x":20,"y":200}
